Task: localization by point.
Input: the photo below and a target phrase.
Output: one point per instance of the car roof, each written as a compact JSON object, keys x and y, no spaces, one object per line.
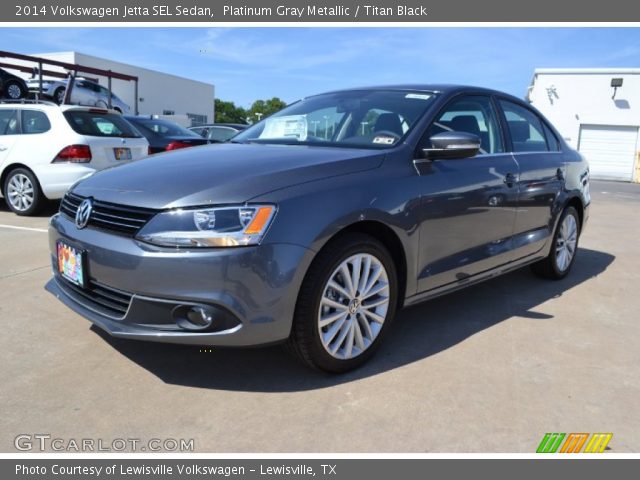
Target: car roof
{"x":50,"y":106}
{"x":443,"y":88}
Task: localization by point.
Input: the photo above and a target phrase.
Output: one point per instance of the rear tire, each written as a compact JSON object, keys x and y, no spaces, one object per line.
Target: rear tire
{"x":14,"y":91}
{"x":564,"y":247}
{"x":340,"y":320}
{"x":22,"y":192}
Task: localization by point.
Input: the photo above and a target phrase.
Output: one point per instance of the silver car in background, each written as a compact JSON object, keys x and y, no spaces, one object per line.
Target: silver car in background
{"x":84,"y":92}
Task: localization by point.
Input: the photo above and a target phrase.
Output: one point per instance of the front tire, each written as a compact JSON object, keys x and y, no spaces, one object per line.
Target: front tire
{"x":346,"y":304}
{"x":59,"y":94}
{"x":564,"y":248}
{"x":22,"y":192}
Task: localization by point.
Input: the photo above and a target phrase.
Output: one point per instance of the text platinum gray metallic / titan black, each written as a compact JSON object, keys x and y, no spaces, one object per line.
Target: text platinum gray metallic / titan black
{"x":315,"y":225}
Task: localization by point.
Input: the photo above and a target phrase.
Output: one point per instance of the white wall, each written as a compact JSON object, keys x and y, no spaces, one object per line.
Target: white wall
{"x":159,"y":91}
{"x":584,"y":97}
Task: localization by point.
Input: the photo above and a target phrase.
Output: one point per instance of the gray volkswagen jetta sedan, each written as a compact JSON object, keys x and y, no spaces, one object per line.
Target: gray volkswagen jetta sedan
{"x":314,"y":226}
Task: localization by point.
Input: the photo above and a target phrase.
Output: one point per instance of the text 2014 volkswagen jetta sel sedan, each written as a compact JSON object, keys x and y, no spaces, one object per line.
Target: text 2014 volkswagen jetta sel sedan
{"x":315,"y":225}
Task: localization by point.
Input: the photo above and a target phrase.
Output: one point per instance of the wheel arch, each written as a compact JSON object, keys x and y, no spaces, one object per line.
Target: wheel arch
{"x":385,"y":235}
{"x":10,"y":168}
{"x":576,"y":202}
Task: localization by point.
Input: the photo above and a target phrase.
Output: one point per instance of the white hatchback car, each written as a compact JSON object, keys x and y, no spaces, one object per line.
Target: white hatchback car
{"x":46,"y":148}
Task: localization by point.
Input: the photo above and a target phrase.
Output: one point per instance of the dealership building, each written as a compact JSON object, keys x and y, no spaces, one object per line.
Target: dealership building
{"x":597,"y":111}
{"x":185,"y":100}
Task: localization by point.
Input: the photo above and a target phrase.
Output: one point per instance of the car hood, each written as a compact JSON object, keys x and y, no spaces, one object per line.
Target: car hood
{"x":219,"y":174}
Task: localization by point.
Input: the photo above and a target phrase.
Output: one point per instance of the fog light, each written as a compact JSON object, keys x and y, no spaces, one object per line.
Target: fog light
{"x":195,"y":317}
{"x":204,"y":318}
{"x":200,"y":316}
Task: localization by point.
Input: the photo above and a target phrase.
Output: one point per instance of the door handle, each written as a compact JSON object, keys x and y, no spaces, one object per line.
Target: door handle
{"x":3,"y":148}
{"x":510,"y":179}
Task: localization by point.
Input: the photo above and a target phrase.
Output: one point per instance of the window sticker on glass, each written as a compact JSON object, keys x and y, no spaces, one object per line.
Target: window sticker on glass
{"x":105,"y":127}
{"x":418,"y":96}
{"x":384,"y":140}
{"x":291,"y":126}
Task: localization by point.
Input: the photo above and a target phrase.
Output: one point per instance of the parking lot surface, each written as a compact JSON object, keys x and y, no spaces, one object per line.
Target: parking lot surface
{"x":487,"y":369}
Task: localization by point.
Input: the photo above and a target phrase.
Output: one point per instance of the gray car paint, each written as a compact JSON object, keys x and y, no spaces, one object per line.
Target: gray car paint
{"x":455,"y":222}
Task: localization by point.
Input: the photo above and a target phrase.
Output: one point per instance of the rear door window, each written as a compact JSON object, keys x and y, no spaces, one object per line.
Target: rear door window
{"x":552,"y":140}
{"x":100,"y":124}
{"x":527,"y":133}
{"x":34,"y":121}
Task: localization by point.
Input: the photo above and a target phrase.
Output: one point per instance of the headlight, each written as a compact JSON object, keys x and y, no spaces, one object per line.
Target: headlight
{"x":209,"y":227}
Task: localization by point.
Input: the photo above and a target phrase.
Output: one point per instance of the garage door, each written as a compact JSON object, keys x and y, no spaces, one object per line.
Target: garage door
{"x":610,"y":150}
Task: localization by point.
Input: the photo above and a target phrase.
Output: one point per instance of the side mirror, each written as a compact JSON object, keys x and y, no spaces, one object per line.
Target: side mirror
{"x":451,"y":145}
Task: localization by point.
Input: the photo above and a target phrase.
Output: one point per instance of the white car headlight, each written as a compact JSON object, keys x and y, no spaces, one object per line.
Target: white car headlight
{"x":209,"y":227}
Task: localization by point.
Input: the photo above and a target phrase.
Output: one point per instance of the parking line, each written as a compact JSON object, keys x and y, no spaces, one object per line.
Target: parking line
{"x":43,"y":230}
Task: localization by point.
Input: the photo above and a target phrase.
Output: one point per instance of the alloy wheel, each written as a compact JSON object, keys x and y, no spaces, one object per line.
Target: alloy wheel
{"x":14,"y":91}
{"x":566,"y":242}
{"x":354,"y":306}
{"x":20,"y":192}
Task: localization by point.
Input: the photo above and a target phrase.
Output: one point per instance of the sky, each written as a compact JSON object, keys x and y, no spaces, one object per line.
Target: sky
{"x":251,"y":63}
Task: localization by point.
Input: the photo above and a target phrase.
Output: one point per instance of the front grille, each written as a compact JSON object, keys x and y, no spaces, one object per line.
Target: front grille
{"x":109,"y":216}
{"x":99,"y":298}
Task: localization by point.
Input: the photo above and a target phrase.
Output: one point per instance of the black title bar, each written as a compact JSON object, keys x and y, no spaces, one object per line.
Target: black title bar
{"x":345,"y":11}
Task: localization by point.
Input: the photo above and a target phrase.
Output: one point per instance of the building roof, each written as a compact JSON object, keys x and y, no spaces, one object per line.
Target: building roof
{"x":587,"y":71}
{"x":578,"y":71}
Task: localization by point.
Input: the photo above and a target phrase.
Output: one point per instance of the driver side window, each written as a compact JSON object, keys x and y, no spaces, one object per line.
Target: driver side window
{"x":471,"y":114}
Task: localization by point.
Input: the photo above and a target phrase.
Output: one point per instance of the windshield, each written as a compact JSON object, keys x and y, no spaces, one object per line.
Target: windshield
{"x":358,"y":118}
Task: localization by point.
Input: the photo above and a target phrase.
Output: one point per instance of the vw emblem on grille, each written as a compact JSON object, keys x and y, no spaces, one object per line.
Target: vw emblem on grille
{"x":84,"y":213}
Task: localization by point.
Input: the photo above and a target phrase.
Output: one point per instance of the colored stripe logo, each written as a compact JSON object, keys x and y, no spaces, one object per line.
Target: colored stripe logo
{"x":574,"y":442}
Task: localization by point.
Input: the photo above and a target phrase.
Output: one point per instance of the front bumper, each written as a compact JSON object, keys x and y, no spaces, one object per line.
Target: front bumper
{"x":254,"y":289}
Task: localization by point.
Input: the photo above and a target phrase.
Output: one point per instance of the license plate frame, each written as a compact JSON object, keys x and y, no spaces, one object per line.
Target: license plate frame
{"x":122,"y":153}
{"x":71,"y":263}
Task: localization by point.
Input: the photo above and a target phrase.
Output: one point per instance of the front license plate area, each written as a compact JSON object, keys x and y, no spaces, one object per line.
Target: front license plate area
{"x":122,"y":153}
{"x":71,"y":263}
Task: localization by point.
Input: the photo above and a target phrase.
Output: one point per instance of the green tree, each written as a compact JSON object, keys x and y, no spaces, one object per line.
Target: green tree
{"x":263,"y":108}
{"x":227,"y":112}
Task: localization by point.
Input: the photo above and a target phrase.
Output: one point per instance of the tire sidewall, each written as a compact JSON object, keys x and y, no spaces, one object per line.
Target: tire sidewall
{"x":365,"y":245}
{"x":554,"y":260}
{"x":37,"y":193}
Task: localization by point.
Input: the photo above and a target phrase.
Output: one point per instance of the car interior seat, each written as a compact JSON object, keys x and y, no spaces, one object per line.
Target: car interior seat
{"x":521,"y":137}
{"x":469,"y":124}
{"x":389,"y":122}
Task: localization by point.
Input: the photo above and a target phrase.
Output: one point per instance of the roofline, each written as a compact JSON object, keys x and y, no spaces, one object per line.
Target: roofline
{"x":578,"y":71}
{"x":555,"y":71}
{"x":75,"y":54}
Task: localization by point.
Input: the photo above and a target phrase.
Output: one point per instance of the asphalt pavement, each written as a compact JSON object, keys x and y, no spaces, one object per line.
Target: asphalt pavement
{"x":488,"y":369}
